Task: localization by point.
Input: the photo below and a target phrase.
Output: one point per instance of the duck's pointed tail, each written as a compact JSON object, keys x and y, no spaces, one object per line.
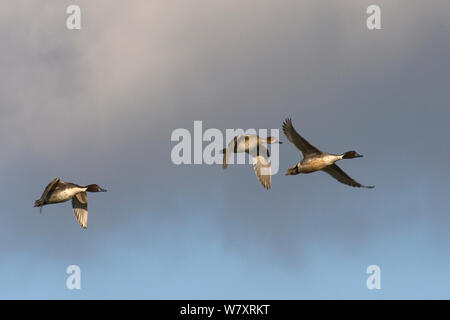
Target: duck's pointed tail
{"x":39,"y":203}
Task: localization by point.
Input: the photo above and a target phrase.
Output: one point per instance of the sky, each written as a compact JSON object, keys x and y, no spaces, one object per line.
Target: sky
{"x":99,"y":105}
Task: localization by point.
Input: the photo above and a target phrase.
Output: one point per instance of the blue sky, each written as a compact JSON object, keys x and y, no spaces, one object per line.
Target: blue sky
{"x":99,"y":106}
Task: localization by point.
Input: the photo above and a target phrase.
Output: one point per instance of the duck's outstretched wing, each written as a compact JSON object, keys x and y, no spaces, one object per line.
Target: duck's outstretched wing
{"x":48,"y":189}
{"x":79,"y":205}
{"x":341,"y":176}
{"x":228,"y":151}
{"x":226,"y":156}
{"x":304,"y":146}
{"x":261,"y":165}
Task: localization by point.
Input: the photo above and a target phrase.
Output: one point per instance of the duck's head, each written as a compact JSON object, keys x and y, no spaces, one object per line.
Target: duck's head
{"x":351,"y":154}
{"x":273,"y":140}
{"x":94,"y":188}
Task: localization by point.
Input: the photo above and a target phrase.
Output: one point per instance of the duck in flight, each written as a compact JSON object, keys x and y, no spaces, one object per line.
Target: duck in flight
{"x":59,"y":191}
{"x":315,"y":160}
{"x":253,"y":145}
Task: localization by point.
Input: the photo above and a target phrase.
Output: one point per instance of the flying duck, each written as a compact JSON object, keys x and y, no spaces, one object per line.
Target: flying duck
{"x":315,"y":160}
{"x":253,"y":145}
{"x":59,"y":191}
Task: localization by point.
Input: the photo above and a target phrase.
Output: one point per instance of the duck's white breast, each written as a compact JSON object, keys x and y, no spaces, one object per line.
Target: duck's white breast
{"x":66,"y":194}
{"x":330,"y":159}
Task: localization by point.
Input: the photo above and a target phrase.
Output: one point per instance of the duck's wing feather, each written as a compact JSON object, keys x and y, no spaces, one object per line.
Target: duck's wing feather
{"x":79,"y":205}
{"x":48,"y":189}
{"x":261,"y":165}
{"x":342,"y":177}
{"x":232,"y":147}
{"x":304,"y":146}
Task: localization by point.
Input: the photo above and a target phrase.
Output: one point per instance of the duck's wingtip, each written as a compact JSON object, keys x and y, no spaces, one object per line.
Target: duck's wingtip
{"x":286,"y":120}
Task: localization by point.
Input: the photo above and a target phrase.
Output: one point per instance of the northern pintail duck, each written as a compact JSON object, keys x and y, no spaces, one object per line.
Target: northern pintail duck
{"x":253,"y":145}
{"x":59,"y":191}
{"x":315,"y":160}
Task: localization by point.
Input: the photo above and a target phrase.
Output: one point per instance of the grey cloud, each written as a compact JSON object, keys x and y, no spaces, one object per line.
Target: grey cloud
{"x":99,"y":106}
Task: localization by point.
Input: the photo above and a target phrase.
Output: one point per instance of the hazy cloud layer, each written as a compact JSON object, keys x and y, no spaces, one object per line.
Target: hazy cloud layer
{"x":99,"y":106}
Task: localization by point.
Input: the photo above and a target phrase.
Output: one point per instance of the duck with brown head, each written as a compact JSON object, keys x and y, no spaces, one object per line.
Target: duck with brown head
{"x":255,"y":146}
{"x":271,"y":140}
{"x":351,"y":154}
{"x":316,"y":160}
{"x":94,"y":188}
{"x":59,"y":191}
